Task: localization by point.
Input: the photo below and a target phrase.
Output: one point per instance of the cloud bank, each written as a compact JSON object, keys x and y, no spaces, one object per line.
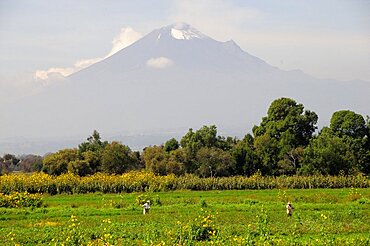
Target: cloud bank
{"x":126,"y":37}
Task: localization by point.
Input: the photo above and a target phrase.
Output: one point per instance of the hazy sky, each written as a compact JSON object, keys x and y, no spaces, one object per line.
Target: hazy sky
{"x":324,"y":38}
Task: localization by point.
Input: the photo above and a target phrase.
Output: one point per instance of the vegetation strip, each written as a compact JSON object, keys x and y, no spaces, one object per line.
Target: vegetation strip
{"x":251,"y":217}
{"x":136,"y":181}
{"x":286,"y":142}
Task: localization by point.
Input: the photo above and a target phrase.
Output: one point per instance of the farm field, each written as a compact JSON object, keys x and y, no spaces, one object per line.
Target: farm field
{"x":243,"y":217}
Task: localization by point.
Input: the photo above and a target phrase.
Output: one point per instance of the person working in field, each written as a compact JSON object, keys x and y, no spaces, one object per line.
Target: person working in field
{"x":289,"y":209}
{"x":146,"y":207}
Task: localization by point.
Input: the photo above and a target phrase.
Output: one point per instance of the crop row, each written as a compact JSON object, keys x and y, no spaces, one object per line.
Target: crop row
{"x":20,"y":199}
{"x":144,"y":181}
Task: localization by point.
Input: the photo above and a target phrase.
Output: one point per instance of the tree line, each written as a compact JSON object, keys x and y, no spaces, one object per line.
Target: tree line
{"x":286,"y":142}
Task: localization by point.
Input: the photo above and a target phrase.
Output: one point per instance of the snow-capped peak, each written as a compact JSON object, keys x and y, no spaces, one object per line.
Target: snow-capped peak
{"x":185,"y":31}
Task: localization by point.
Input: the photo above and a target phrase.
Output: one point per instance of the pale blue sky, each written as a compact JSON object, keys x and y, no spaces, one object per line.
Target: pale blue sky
{"x":324,"y":38}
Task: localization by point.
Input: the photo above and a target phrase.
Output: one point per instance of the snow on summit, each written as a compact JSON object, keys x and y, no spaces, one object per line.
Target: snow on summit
{"x":183,"y":34}
{"x":184,"y":31}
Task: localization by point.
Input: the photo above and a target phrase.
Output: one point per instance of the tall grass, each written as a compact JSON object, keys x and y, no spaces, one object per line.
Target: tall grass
{"x":145,"y":181}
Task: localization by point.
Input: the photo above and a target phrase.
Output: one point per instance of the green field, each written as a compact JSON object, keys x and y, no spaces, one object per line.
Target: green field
{"x":321,"y":216}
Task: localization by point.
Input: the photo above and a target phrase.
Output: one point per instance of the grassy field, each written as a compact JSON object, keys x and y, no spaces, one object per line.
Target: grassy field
{"x":321,"y":216}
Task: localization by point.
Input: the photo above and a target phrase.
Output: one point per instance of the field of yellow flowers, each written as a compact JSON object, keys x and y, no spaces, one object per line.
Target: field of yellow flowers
{"x":145,"y":181}
{"x":185,"y":217}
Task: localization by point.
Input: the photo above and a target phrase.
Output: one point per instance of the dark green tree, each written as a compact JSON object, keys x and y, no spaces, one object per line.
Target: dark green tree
{"x":93,"y":158}
{"x":327,"y":154}
{"x":268,"y":152}
{"x":117,"y":158}
{"x":171,"y":145}
{"x":205,"y":137}
{"x":92,"y":150}
{"x":348,"y":123}
{"x":354,"y":131}
{"x":366,"y":166}
{"x":246,"y":159}
{"x":93,"y":143}
{"x":79,"y":167}
{"x":286,"y":127}
{"x":291,"y":161}
{"x":214,"y":162}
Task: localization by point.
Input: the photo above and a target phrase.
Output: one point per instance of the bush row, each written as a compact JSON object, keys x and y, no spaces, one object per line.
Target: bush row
{"x":145,"y":181}
{"x":20,"y":200}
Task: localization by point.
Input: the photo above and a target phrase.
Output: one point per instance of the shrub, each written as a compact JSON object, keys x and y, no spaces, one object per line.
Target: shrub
{"x":20,"y":200}
{"x":201,"y":228}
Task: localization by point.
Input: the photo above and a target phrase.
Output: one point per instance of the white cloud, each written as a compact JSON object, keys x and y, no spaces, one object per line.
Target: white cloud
{"x":159,"y":62}
{"x":46,"y":74}
{"x":126,"y":37}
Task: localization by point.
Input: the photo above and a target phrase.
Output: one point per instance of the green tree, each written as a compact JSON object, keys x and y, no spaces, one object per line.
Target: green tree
{"x":366,"y":166}
{"x":291,"y":161}
{"x":92,"y":150}
{"x":268,"y":152}
{"x":204,"y":137}
{"x":327,"y":154}
{"x":171,"y":145}
{"x":93,"y":143}
{"x":93,"y":159}
{"x":160,"y":162}
{"x":154,"y":158}
{"x":79,"y":167}
{"x":286,"y":127}
{"x":214,"y":162}
{"x":348,"y":123}
{"x":177,"y":161}
{"x":117,"y":158}
{"x":57,"y":163}
{"x":246,"y":159}
{"x":354,"y":131}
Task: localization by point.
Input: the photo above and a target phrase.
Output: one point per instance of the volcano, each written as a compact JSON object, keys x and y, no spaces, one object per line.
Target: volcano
{"x":172,"y":79}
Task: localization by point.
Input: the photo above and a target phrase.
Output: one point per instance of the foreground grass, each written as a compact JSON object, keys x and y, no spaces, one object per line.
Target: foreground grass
{"x":321,"y":216}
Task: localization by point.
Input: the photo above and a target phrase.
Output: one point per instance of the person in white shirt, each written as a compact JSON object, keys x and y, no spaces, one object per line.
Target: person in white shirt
{"x":146,"y":207}
{"x":289,"y":209}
